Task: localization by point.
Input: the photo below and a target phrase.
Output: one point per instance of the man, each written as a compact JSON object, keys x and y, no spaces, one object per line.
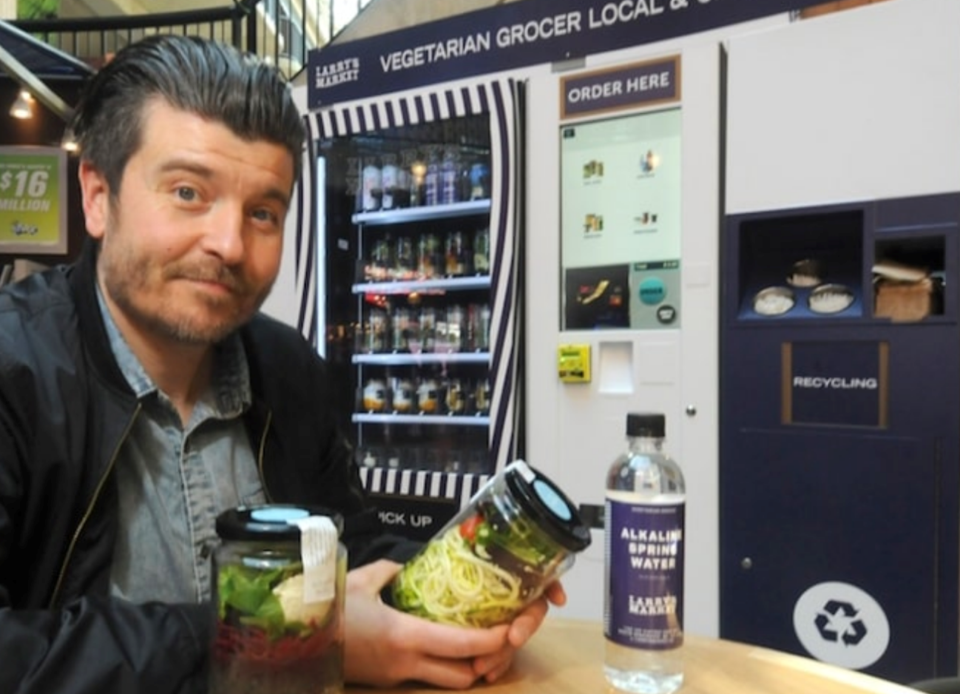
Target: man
{"x":141,"y":394}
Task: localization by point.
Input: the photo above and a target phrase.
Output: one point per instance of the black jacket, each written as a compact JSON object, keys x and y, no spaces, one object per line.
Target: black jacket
{"x":65,"y":411}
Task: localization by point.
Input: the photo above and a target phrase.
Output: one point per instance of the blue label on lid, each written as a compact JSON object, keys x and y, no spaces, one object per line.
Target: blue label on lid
{"x":548,"y":495}
{"x":278,"y":515}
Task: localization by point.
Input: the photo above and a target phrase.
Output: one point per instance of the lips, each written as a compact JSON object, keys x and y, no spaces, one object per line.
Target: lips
{"x":214,"y":282}
{"x":223,"y":278}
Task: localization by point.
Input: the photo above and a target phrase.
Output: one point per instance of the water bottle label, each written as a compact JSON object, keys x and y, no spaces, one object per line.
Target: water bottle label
{"x":644,"y":557}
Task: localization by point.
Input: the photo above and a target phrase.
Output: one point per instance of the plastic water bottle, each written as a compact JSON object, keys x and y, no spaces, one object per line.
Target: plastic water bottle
{"x":643,"y":607}
{"x":431,"y":181}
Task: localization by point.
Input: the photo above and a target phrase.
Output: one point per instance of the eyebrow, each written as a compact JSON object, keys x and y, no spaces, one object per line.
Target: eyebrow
{"x":174,"y":165}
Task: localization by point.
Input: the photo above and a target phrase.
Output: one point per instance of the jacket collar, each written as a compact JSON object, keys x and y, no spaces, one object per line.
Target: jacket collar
{"x":93,"y":333}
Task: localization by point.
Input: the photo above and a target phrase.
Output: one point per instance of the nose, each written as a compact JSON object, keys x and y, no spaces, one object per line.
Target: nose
{"x":224,"y":235}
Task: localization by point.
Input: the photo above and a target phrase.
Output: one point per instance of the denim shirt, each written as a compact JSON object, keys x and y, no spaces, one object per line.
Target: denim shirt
{"x":173,"y":480}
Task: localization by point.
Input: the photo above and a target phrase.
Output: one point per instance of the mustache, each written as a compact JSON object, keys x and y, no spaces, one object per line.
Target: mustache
{"x":209,"y":272}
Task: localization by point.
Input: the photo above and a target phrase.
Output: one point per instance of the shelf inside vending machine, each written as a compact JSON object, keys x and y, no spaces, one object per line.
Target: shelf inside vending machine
{"x":419,"y":358}
{"x":406,"y":215}
{"x":432,"y":285}
{"x":445,"y":420}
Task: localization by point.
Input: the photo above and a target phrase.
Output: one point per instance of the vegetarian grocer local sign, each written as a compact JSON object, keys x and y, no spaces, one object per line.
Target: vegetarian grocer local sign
{"x":32,"y":204}
{"x":513,"y":35}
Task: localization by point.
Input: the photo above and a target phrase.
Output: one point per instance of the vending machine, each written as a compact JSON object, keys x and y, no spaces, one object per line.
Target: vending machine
{"x":455,"y":350}
{"x":419,"y":308}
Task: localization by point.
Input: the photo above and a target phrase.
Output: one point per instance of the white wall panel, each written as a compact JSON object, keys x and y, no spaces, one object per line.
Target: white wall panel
{"x":855,"y":105}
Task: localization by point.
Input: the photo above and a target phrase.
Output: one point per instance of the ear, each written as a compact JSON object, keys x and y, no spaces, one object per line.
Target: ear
{"x":95,"y":195}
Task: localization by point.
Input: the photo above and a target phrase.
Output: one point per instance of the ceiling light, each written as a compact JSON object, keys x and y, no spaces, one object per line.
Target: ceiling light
{"x":69,"y":141}
{"x":23,"y":106}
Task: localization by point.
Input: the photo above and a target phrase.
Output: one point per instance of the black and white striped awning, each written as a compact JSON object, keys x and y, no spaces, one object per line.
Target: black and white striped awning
{"x":405,"y":110}
{"x":457,"y":488}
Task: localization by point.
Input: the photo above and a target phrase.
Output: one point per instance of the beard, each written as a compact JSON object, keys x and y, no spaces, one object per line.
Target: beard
{"x":140,"y":287}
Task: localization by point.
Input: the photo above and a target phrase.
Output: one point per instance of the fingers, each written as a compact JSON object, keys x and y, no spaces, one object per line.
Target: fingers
{"x":445,"y":641}
{"x":493,"y":667}
{"x":499,"y":671}
{"x":527,"y":622}
{"x":556,"y":594}
{"x":372,"y":578}
{"x":446,"y":674}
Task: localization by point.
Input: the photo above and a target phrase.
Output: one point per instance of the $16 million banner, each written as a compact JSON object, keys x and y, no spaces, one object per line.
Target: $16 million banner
{"x":33,"y":200}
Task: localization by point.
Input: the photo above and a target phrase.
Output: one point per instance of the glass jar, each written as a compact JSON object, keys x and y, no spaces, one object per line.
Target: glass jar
{"x":481,"y":395}
{"x":480,"y":180}
{"x":390,"y":183}
{"x":428,"y":396}
{"x":457,"y":254}
{"x":400,"y":329}
{"x":402,"y":395}
{"x":375,"y":395}
{"x":430,"y":259}
{"x":279,"y":577}
{"x":374,"y":336}
{"x":405,"y":259}
{"x":481,"y":251}
{"x":517,"y":535}
{"x":371,"y":181}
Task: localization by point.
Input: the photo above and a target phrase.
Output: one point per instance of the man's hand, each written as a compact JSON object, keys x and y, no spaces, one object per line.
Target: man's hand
{"x":385,"y":647}
{"x":524,"y":625}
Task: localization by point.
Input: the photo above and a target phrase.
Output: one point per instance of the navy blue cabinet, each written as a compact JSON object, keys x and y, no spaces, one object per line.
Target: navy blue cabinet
{"x":840,"y":435}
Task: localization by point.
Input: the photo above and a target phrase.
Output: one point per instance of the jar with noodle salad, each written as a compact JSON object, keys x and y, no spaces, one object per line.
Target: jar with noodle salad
{"x":279,"y":583}
{"x":516,"y":535}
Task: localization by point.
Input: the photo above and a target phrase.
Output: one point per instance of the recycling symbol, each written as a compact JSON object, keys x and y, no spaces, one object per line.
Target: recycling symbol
{"x":841,"y":624}
{"x":838,"y":622}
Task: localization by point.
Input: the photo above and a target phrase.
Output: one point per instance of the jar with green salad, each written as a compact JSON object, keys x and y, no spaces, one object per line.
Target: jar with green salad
{"x":516,"y":535}
{"x":279,"y":577}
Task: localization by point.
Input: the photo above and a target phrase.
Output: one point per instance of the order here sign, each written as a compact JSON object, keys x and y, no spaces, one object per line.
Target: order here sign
{"x":625,"y":86}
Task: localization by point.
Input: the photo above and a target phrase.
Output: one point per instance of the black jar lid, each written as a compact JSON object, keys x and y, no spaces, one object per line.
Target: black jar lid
{"x":270,"y":522}
{"x":544,"y":501}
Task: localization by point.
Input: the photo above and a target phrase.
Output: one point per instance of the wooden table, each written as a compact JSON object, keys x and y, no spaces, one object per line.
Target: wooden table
{"x":566,"y":656}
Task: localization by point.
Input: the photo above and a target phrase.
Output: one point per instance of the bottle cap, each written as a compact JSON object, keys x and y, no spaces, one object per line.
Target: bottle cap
{"x":646,"y":424}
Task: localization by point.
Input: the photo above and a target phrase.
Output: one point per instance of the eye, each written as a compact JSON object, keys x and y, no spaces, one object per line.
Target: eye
{"x":265,"y":214}
{"x":186,"y":194}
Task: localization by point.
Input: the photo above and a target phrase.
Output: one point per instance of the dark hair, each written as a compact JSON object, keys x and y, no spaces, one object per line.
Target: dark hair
{"x":210,"y":79}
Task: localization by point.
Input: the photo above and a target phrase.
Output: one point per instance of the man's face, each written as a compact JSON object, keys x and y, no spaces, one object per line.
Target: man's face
{"x":191,"y":244}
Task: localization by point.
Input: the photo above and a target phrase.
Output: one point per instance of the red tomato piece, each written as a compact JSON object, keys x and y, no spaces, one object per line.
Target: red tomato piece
{"x":468,"y":528}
